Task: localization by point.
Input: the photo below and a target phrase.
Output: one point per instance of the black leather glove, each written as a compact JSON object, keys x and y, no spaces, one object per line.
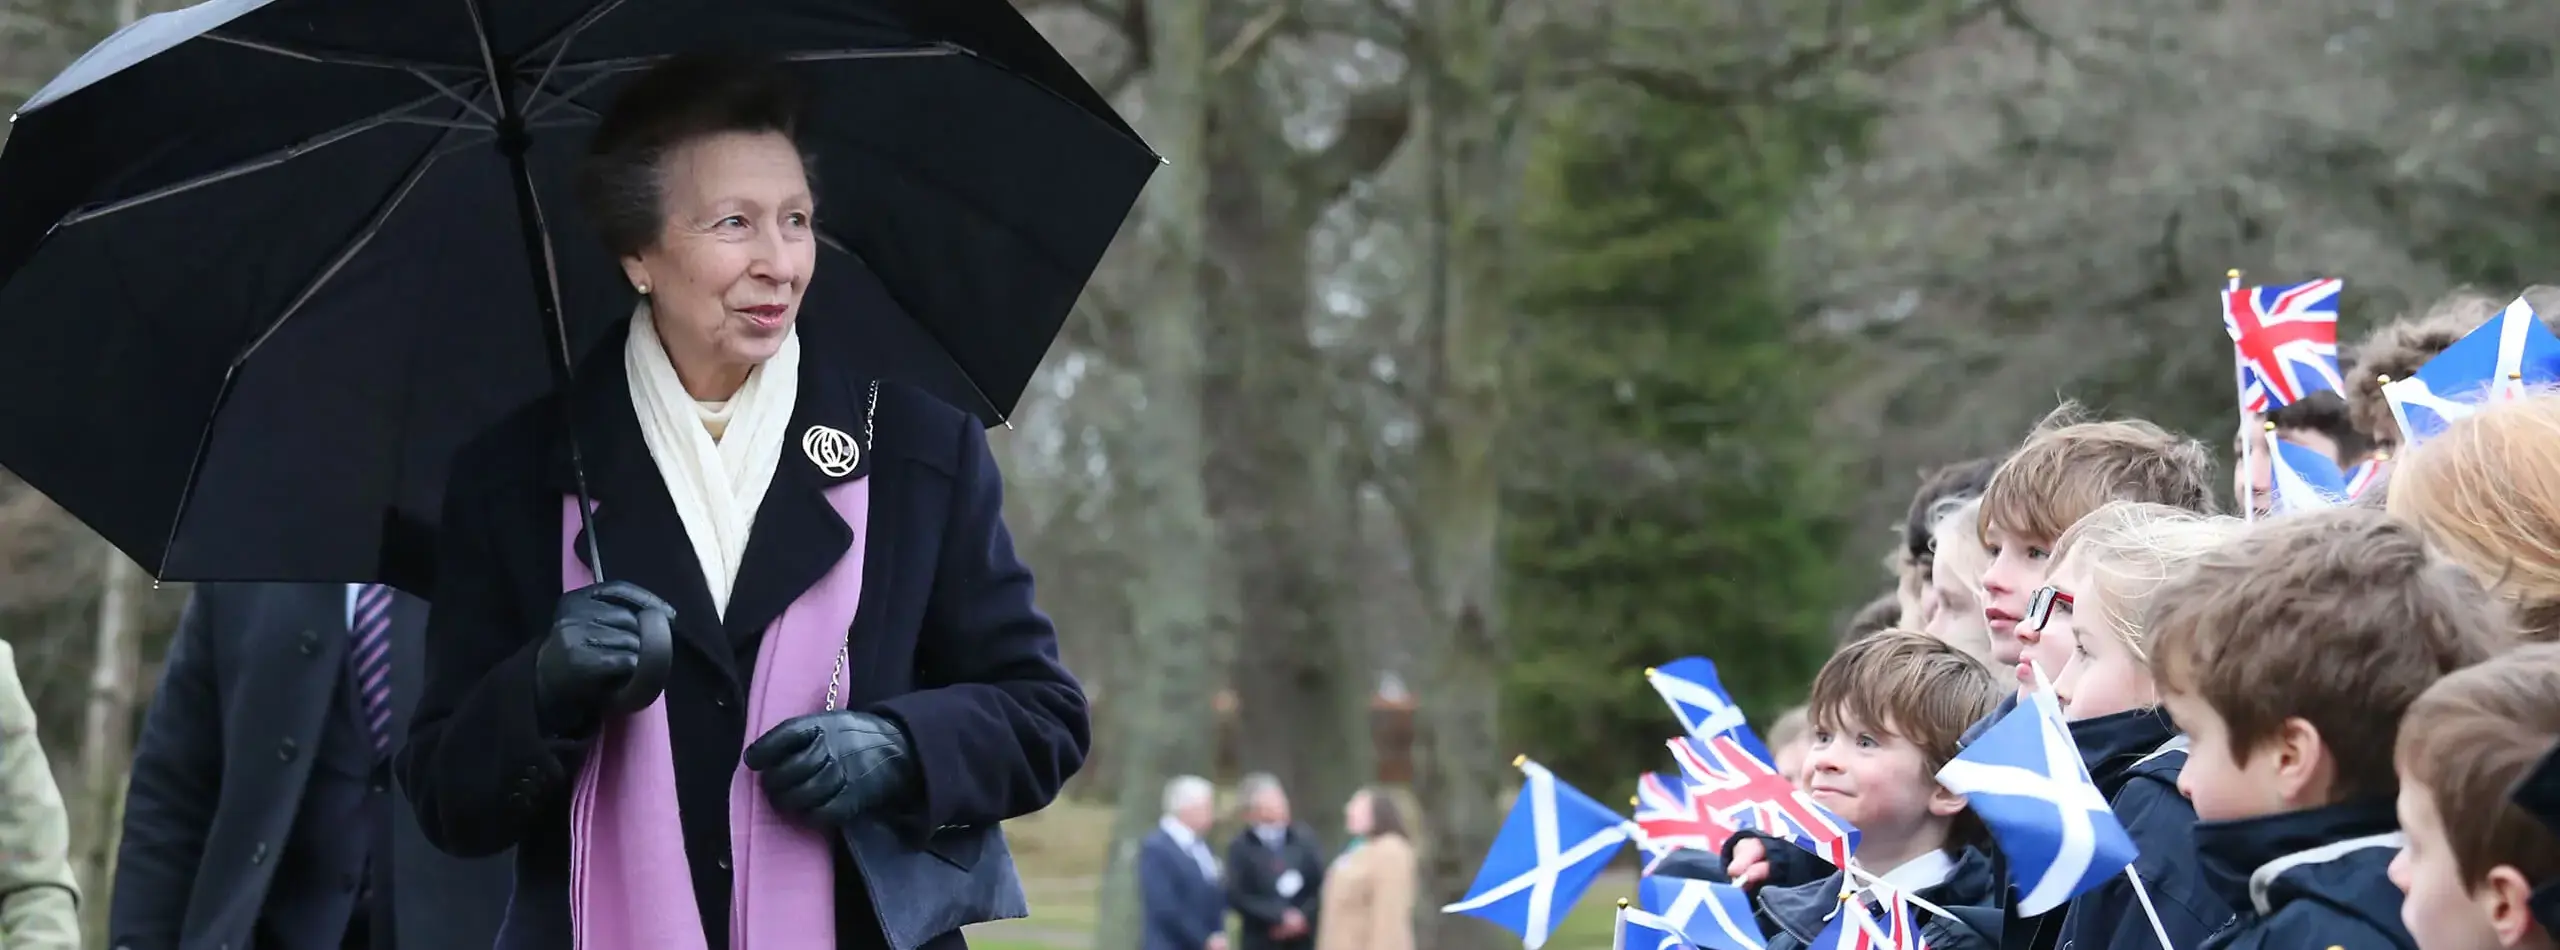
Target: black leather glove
{"x":833,"y":767}
{"x":1691,"y":864}
{"x":608,"y":647}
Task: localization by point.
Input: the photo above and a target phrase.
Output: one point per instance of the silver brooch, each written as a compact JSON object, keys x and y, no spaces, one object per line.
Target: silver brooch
{"x":834,"y":452}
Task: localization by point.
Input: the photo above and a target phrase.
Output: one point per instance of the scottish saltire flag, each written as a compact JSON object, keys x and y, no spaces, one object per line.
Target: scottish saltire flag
{"x":1643,"y":930}
{"x":2305,"y":479}
{"x":1671,"y":815}
{"x":1690,"y":685}
{"x":2025,"y":779}
{"x":1857,"y":928}
{"x":2505,"y":357}
{"x":1739,"y":787}
{"x":1555,"y":841}
{"x":1710,"y":916}
{"x":2287,"y":338}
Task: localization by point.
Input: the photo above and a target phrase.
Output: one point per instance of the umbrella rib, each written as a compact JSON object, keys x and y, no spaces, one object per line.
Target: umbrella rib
{"x":231,"y":374}
{"x":253,"y":164}
{"x":337,"y":57}
{"x":542,"y":86}
{"x":625,"y":64}
{"x":828,"y":239}
{"x":558,"y":43}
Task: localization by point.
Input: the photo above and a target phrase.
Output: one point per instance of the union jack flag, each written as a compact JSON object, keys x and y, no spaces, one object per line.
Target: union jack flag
{"x":1739,"y":789}
{"x":1671,"y":815}
{"x":1856,"y":927}
{"x":2286,"y":338}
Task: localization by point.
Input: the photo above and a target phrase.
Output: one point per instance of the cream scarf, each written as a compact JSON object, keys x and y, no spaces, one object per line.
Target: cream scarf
{"x":717,"y":481}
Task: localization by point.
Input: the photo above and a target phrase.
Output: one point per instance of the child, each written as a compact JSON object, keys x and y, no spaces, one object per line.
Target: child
{"x":2106,"y":570}
{"x":1955,"y":579}
{"x":2398,"y":348}
{"x":2064,"y":471}
{"x":1788,"y":738}
{"x":2473,"y":856}
{"x":2486,"y":493}
{"x":1940,"y":490}
{"x":1886,"y":711}
{"x":2317,"y":421}
{"x":2286,"y":656}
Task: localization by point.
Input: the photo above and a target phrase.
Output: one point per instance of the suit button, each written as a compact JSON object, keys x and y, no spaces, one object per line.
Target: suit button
{"x":720,"y":701}
{"x":258,"y":855}
{"x":724,"y":862}
{"x":310,"y":642}
{"x":379,"y":786}
{"x":284,"y":750}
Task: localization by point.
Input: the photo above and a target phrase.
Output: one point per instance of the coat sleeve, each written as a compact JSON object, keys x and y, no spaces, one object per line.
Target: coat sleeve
{"x":478,"y":765}
{"x":999,"y":725}
{"x":39,"y":898}
{"x":175,"y":783}
{"x":2162,"y":825}
{"x":1390,"y":921}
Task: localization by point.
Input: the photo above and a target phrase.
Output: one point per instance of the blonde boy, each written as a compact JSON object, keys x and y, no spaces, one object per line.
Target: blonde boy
{"x":2473,"y":856}
{"x":2286,"y":656}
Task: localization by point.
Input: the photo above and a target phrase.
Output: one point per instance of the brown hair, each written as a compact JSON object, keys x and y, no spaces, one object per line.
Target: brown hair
{"x":621,"y":181}
{"x":2337,"y":617}
{"x":2324,"y":412}
{"x":1918,"y":687}
{"x":1385,"y":816}
{"x":2069,"y":467}
{"x":1881,"y":613}
{"x":2486,"y":492}
{"x":1792,"y":726}
{"x":2398,"y":348}
{"x":2130,"y":549}
{"x":2469,"y":739}
{"x":1938,"y":486}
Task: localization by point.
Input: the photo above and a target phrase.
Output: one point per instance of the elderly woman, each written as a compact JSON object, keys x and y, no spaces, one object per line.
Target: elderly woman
{"x":860,"y":687}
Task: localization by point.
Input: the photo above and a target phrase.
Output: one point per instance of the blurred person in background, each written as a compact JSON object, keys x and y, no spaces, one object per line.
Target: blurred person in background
{"x":1939,"y":488}
{"x":1788,"y":739}
{"x":1275,"y":870}
{"x":1368,"y":893}
{"x":1183,"y":904}
{"x":39,"y":895}
{"x":1957,"y":561}
{"x":2318,"y":422}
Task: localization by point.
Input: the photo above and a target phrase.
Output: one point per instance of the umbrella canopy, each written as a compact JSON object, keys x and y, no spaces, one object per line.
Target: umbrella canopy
{"x":264,"y":264}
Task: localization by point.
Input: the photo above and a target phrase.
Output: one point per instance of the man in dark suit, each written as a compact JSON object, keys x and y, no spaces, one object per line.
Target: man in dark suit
{"x":1185,"y":908}
{"x":1275,"y":871}
{"x":262,"y":813}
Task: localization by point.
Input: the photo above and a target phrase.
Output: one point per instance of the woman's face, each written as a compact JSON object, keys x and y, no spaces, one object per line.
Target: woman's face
{"x":733,"y":256}
{"x":1355,"y":814}
{"x":1957,"y":619}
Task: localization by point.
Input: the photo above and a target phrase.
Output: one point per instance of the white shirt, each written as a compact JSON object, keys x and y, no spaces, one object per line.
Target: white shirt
{"x":1928,"y":870}
{"x":1191,"y":844}
{"x":353,"y":590}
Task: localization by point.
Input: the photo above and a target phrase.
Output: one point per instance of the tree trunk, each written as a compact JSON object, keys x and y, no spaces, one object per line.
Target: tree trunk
{"x":1455,"y":506}
{"x":1158,"y":714}
{"x":106,"y":728}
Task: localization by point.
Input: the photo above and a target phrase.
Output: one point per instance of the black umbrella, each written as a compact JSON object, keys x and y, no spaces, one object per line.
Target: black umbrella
{"x":264,"y":264}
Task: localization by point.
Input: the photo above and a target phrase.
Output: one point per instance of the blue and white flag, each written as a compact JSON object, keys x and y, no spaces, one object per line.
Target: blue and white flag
{"x":1642,"y":930}
{"x":1690,"y":685}
{"x":2305,"y":480}
{"x":2024,"y":778}
{"x":1708,"y":915}
{"x":1555,"y":842}
{"x":2506,"y":356}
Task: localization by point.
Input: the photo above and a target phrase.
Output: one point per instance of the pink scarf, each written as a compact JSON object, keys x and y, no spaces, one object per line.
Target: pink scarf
{"x":630,"y":887}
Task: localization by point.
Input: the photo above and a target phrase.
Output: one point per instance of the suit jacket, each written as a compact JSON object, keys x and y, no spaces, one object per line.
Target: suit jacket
{"x":227,"y":752}
{"x":1183,"y":904}
{"x":1254,"y":876}
{"x":946,"y":642}
{"x":39,"y":895}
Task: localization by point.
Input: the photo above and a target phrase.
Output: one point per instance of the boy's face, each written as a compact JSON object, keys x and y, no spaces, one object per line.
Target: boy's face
{"x":1878,"y":781}
{"x":2221,"y":787}
{"x":2442,"y":910}
{"x":2051,"y":645}
{"x":2018,"y":566}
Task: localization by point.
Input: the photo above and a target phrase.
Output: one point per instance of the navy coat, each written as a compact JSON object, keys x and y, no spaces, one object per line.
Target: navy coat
{"x":2307,"y":880}
{"x":947,"y":643}
{"x":1183,"y":907}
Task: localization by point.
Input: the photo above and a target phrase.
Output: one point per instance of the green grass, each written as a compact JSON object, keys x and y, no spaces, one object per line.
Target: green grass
{"x":1060,"y":852}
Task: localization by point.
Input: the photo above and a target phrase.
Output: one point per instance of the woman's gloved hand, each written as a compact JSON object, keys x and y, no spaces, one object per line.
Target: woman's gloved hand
{"x":605,"y":638}
{"x":833,"y":767}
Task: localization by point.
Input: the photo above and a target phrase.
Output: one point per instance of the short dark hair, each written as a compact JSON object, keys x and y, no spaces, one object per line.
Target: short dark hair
{"x":681,"y":99}
{"x":2324,"y":412}
{"x":1956,"y":482}
{"x":1882,"y":613}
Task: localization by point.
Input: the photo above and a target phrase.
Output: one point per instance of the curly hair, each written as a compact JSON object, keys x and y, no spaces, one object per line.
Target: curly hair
{"x":2398,"y":348}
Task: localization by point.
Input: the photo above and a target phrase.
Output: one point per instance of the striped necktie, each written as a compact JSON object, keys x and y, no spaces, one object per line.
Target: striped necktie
{"x":369,"y":660}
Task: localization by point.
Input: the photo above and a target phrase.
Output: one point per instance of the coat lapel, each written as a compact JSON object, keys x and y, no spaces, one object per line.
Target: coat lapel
{"x":636,"y":525}
{"x":798,"y":536}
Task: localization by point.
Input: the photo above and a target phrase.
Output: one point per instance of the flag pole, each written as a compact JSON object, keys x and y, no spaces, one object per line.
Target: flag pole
{"x":2143,"y":894}
{"x":2248,"y":440}
{"x":1618,"y":934}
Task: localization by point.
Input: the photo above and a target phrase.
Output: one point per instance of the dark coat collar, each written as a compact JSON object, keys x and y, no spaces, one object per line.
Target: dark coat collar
{"x":2296,"y":852}
{"x":797,"y":535}
{"x":2111,"y":745}
{"x":1805,"y":909}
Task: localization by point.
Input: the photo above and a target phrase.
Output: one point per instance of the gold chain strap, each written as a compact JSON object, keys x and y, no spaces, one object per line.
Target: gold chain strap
{"x":835,"y":679}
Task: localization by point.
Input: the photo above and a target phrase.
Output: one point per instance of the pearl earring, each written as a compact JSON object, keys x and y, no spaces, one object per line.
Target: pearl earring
{"x":642,"y":288}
